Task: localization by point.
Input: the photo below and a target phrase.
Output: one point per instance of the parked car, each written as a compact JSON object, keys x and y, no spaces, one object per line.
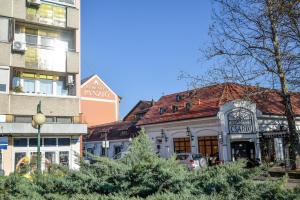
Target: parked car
{"x":192,"y":161}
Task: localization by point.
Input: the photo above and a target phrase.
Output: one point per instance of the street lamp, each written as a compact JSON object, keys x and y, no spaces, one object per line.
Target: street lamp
{"x":37,"y":121}
{"x":189,"y":133}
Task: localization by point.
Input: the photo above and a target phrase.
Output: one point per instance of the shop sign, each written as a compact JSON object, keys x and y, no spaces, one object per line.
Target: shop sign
{"x":240,"y":121}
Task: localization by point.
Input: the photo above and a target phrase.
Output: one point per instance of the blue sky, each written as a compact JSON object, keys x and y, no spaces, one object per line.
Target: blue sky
{"x":139,"y":47}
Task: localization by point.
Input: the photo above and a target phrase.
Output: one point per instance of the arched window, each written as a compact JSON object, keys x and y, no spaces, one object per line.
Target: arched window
{"x":240,"y":121}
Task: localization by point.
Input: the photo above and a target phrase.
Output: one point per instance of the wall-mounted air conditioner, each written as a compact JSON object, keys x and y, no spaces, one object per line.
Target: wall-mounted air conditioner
{"x":70,"y":80}
{"x":19,"y":43}
{"x":34,"y":2}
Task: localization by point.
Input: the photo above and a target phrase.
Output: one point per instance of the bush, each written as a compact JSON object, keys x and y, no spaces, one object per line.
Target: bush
{"x":141,"y":174}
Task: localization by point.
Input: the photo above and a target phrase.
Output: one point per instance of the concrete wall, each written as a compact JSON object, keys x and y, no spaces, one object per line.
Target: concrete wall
{"x":13,"y":8}
{"x":5,"y":53}
{"x":72,"y":18}
{"x":51,"y":106}
{"x":7,"y":9}
{"x":73,"y":62}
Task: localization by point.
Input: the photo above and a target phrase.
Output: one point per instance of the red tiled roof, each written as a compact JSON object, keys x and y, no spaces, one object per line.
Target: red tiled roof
{"x":115,"y":131}
{"x":140,"y":108}
{"x":207,"y":101}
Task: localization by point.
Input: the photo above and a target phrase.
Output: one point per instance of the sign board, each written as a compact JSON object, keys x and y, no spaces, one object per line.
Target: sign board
{"x":3,"y":143}
{"x":240,"y":121}
{"x":105,"y":144}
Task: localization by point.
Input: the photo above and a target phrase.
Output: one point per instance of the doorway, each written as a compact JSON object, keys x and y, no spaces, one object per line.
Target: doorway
{"x":243,"y":150}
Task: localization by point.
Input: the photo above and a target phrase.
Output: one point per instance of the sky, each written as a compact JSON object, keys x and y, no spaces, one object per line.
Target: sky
{"x":140,"y":47}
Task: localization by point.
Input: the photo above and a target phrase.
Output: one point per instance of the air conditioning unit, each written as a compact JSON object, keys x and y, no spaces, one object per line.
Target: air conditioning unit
{"x":70,"y":80}
{"x":34,"y":2}
{"x":18,"y":46}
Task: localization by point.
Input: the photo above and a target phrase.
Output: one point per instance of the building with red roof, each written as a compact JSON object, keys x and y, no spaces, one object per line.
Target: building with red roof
{"x":225,"y":121}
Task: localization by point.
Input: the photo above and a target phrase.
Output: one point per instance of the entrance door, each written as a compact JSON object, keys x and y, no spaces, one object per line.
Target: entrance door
{"x":243,"y":149}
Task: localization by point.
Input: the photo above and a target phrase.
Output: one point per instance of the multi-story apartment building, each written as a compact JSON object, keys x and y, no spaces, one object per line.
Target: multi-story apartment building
{"x":40,"y":61}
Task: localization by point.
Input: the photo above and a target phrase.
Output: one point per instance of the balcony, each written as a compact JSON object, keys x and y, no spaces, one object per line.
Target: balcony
{"x":24,"y":129}
{"x":45,"y":53}
{"x":54,"y":14}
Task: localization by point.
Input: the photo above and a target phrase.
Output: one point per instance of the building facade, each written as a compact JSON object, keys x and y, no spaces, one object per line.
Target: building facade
{"x":113,"y":139}
{"x":223,"y":122}
{"x":40,"y":61}
{"x":99,"y":103}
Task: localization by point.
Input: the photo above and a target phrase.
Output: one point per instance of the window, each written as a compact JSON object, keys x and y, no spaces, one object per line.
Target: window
{"x":208,"y":146}
{"x":174,"y":109}
{"x":50,"y":120}
{"x":103,"y":151}
{"x":182,"y":145}
{"x":70,"y":2}
{"x":4,"y":78}
{"x":50,"y":159}
{"x":18,"y":159}
{"x":29,"y":86}
{"x":46,"y":87}
{"x":162,"y":111}
{"x":64,"y":158}
{"x":31,"y":39}
{"x":20,"y":142}
{"x":178,"y":98}
{"x":64,"y":142}
{"x":49,"y":142}
{"x":23,"y":119}
{"x":64,"y":120}
{"x":33,"y":142}
{"x":188,"y":107}
{"x":60,"y":89}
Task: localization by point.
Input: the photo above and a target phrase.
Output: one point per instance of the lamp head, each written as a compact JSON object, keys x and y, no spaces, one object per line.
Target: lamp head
{"x":39,"y":119}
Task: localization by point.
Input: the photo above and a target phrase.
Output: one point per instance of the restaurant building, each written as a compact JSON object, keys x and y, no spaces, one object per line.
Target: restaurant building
{"x":223,"y":122}
{"x":40,"y":61}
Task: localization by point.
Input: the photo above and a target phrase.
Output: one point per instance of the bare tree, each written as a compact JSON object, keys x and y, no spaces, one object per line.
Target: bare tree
{"x":258,"y":42}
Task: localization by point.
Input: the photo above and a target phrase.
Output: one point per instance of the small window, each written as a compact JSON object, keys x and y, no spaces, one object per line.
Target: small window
{"x":23,"y":119}
{"x":178,"y":98}
{"x":64,"y":142}
{"x":162,"y":111}
{"x":20,"y":142}
{"x":50,"y":120}
{"x":64,"y":158}
{"x":188,"y":107}
{"x":64,"y":120}
{"x":49,"y":142}
{"x":174,"y":109}
{"x":29,"y":86}
{"x":33,"y":142}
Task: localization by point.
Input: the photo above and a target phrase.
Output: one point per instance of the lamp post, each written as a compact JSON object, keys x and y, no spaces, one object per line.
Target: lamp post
{"x":37,"y":121}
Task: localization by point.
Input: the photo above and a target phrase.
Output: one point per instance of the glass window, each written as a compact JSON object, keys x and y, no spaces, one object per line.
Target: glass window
{"x":60,"y":91}
{"x":49,"y":142}
{"x":50,"y":120}
{"x":64,"y":142}
{"x":31,"y":39}
{"x":19,"y":157}
{"x":47,"y":42}
{"x":4,"y":31}
{"x":64,"y":158}
{"x":46,"y":87}
{"x":64,"y":120}
{"x":23,"y":119}
{"x":33,"y":142}
{"x":208,"y":146}
{"x":29,"y":86}
{"x":4,"y":79}
{"x":50,"y":159}
{"x":182,"y":145}
{"x":20,"y":142}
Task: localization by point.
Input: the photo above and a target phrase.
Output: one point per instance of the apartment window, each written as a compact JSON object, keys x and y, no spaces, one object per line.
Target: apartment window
{"x":60,"y":88}
{"x":32,"y":39}
{"x":20,"y":142}
{"x":182,"y":145}
{"x":4,"y":79}
{"x":29,"y":86}
{"x":208,"y":146}
{"x":49,"y":142}
{"x":23,"y":119}
{"x":64,"y":141}
{"x":64,"y":120}
{"x":46,"y":87}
